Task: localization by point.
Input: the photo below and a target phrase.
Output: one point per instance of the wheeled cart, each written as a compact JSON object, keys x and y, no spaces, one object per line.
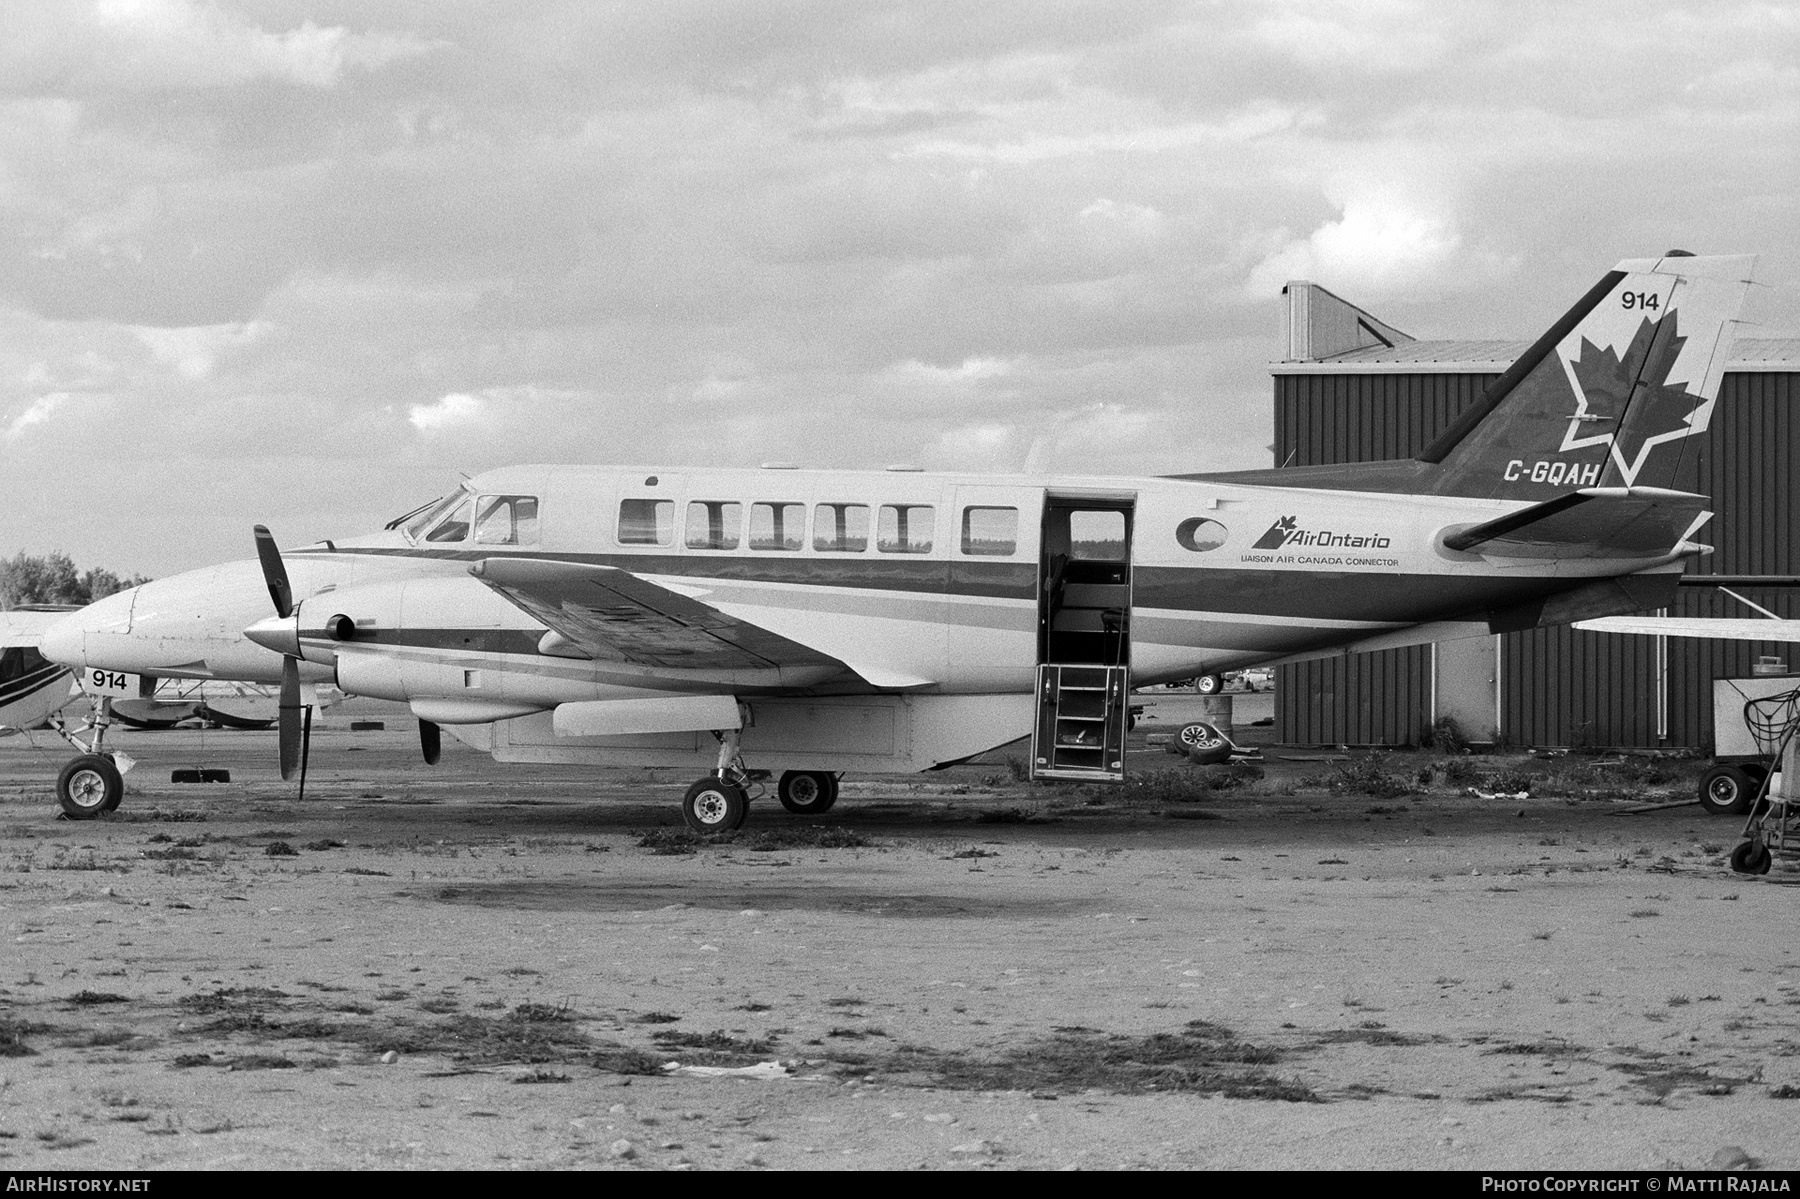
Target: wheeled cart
{"x":1773,"y":721}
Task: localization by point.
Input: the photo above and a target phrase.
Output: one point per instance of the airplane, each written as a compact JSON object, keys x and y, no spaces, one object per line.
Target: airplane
{"x":33,"y":693}
{"x":827,"y":621}
{"x":31,"y":688}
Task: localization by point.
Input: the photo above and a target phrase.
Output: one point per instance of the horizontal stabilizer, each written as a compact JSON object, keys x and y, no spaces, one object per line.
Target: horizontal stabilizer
{"x":1595,"y":522}
{"x":1722,"y":628}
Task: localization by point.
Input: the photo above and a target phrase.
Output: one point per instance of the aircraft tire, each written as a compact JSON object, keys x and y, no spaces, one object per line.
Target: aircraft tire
{"x":1209,"y":684}
{"x":1752,"y":857}
{"x":1726,"y":790}
{"x":807,"y":792}
{"x":89,"y":786}
{"x":714,"y":806}
{"x":1204,"y":744}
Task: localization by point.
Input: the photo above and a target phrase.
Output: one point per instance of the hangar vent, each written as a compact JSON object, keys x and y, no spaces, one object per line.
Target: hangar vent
{"x":1352,"y":388}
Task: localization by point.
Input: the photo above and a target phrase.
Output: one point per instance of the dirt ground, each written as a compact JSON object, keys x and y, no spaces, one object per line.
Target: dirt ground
{"x":474,"y":965}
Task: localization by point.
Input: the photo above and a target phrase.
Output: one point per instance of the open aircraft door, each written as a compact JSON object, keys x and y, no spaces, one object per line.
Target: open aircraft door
{"x":1084,"y":636}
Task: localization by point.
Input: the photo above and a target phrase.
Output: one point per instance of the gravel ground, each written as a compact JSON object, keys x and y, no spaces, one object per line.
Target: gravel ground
{"x":476,"y":966}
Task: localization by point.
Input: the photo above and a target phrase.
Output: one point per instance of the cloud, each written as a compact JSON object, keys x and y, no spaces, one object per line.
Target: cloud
{"x":264,"y":246}
{"x":144,"y":44}
{"x":36,"y":413}
{"x":453,"y":411}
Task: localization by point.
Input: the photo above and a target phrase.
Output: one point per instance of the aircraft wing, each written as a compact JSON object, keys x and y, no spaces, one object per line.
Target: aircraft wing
{"x":25,"y":626}
{"x":1594,"y":522}
{"x":1723,"y":628}
{"x":613,"y":614}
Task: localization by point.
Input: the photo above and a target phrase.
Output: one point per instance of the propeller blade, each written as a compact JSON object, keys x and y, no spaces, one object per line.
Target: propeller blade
{"x":290,"y":716}
{"x":431,"y":741}
{"x":274,"y":572}
{"x":305,"y":749}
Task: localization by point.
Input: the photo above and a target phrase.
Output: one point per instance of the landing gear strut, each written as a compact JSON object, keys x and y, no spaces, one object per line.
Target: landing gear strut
{"x":719,"y":802}
{"x":93,"y":783}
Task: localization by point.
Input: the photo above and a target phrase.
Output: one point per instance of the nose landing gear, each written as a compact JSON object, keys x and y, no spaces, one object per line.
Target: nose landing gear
{"x":93,"y":783}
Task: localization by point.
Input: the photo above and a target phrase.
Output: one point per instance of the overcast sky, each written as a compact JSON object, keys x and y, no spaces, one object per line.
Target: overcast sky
{"x":301,"y":263}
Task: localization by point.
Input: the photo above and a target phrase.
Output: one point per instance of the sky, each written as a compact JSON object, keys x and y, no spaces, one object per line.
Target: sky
{"x":302,"y":264}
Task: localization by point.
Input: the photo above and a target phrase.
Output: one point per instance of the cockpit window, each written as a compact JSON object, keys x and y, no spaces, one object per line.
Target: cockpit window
{"x":413,"y":525}
{"x":454,"y":526}
{"x":506,"y":520}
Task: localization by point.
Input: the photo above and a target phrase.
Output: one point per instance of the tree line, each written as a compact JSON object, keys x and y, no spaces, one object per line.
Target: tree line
{"x":53,"y":579}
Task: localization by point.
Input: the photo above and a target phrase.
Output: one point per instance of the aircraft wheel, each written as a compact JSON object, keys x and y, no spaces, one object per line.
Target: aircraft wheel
{"x":1726,"y":790}
{"x":713,"y":806}
{"x":1752,"y":857}
{"x":88,"y":786}
{"x":1209,"y":684}
{"x":1205,"y":745}
{"x":807,"y":792}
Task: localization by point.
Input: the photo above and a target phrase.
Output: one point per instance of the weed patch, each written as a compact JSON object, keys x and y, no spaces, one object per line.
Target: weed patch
{"x":717,"y":1048}
{"x":12,"y":1037}
{"x":1369,"y":775}
{"x":1202,"y":1059}
{"x":675,"y":841}
{"x":1012,"y":816}
{"x":623,"y":1059}
{"x":92,"y":998}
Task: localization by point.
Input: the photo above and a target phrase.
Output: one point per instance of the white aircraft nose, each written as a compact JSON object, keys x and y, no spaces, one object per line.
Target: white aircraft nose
{"x":64,"y":642}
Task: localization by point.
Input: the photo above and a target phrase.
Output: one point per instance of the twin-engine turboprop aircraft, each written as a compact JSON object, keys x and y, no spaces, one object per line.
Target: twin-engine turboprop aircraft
{"x":827,"y":621}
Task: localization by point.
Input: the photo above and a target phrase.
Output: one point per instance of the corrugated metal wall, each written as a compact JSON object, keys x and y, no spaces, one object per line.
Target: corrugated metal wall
{"x":1557,"y":685}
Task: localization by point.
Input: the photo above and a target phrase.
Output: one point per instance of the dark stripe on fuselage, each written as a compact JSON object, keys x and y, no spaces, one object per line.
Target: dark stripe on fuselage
{"x":14,"y":690}
{"x":1325,"y":595}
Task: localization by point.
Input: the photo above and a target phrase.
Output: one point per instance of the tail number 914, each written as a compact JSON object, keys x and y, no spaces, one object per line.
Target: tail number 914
{"x":115,"y":683}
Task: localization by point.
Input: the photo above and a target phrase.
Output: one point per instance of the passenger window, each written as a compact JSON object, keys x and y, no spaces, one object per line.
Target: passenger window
{"x":1200,"y":534}
{"x":713,"y":525}
{"x":506,"y":520}
{"x":646,"y":522}
{"x":905,"y":528}
{"x":841,"y":528}
{"x":990,"y":532}
{"x":454,"y":527}
{"x":12,"y":664}
{"x":777,"y":526}
{"x":1097,"y":536}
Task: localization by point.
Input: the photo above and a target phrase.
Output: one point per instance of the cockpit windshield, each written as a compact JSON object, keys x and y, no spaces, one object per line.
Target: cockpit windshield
{"x":414,"y":523}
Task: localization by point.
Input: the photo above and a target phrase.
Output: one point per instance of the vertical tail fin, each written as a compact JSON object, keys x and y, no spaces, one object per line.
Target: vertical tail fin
{"x":1609,"y":396}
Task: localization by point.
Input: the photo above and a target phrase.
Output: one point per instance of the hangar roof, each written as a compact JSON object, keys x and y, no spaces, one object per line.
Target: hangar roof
{"x":1779,"y":354}
{"x":1328,"y":335}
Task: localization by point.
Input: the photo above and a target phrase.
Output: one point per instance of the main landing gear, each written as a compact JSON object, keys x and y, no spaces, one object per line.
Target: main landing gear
{"x":93,"y":783}
{"x":719,"y":802}
{"x":807,"y":792}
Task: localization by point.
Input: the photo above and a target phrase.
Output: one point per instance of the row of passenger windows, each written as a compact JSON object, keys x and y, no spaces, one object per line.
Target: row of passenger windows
{"x":837,"y":528}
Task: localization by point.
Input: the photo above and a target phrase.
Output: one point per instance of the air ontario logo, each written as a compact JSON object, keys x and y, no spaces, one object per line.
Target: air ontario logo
{"x":1286,"y":532}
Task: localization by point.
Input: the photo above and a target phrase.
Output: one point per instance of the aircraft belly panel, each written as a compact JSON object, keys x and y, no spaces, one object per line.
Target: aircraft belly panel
{"x":875,"y":734}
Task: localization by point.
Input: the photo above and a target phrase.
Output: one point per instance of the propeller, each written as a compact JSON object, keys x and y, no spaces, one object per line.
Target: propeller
{"x":283,"y":635}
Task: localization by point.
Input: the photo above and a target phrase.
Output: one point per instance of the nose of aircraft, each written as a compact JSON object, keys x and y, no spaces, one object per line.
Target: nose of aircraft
{"x":65,"y":642}
{"x":190,"y":625}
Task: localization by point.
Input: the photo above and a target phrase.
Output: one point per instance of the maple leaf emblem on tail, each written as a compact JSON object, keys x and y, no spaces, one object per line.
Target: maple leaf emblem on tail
{"x":1278,"y":534}
{"x":1629,"y":399}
